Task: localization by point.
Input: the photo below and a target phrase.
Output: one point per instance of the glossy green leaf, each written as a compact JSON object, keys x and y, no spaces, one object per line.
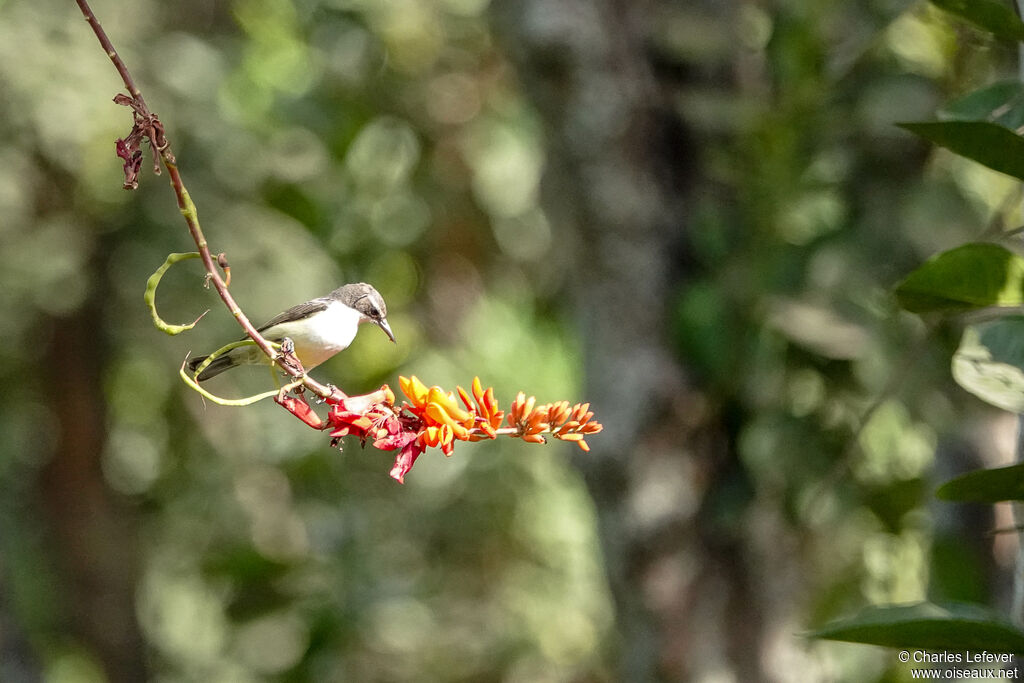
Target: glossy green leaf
{"x":1001,"y":103}
{"x":989,"y":362}
{"x":995,"y":17}
{"x":955,"y":626}
{"x":985,"y":486}
{"x":971,"y":276}
{"x":990,"y":144}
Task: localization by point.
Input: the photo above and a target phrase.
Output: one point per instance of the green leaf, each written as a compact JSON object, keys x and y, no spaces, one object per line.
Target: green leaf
{"x":990,"y":144}
{"x":971,"y":276}
{"x":1001,"y":103}
{"x":989,"y":362}
{"x":995,"y":17}
{"x":985,"y":486}
{"x":955,"y":626}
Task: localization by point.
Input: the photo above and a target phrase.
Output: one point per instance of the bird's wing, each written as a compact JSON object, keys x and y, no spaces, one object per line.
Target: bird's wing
{"x":303,"y":310}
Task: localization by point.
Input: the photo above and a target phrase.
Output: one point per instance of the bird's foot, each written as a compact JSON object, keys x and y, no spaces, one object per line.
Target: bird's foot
{"x":332,"y":389}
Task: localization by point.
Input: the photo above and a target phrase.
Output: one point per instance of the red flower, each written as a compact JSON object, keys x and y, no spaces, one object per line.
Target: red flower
{"x":405,"y":460}
{"x":302,"y":410}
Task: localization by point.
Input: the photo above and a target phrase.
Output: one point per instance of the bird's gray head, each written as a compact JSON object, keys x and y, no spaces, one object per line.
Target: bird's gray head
{"x":368,"y":301}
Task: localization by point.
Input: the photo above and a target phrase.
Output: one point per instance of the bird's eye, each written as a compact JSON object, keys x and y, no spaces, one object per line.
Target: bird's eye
{"x":373,"y":312}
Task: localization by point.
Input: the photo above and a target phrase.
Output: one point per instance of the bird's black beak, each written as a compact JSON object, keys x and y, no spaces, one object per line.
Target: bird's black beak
{"x":383,"y":324}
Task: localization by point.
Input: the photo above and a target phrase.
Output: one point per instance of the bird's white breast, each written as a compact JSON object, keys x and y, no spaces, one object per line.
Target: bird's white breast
{"x":321,"y":335}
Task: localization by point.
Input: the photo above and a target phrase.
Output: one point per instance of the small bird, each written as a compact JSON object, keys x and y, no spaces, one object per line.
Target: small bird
{"x":319,"y":328}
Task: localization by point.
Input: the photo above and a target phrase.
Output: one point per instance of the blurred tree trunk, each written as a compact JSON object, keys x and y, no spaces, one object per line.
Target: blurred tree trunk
{"x":18,"y":664}
{"x":618,"y":169}
{"x":93,"y":535}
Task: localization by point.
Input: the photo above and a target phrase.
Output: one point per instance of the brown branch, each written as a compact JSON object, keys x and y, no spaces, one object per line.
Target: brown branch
{"x":148,"y":125}
{"x":108,"y":47}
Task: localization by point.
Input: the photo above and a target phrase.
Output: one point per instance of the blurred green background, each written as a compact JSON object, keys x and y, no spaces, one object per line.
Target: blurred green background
{"x":688,"y":213}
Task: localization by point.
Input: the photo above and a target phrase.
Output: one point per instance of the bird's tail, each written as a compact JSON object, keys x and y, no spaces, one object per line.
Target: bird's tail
{"x":216,"y":366}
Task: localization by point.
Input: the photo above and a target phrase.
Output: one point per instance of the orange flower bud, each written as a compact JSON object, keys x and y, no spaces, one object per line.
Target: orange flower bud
{"x":537,"y":420}
{"x":570,"y":425}
{"x":466,"y":399}
{"x":569,"y":437}
{"x":489,"y":401}
{"x":428,"y":437}
{"x":558,"y":413}
{"x":414,"y":389}
{"x":448,"y":404}
{"x":478,"y":391}
{"x":436,"y":413}
{"x":530,"y":403}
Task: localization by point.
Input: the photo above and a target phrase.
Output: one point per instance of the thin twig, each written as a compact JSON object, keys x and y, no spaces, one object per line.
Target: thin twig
{"x":108,"y":47}
{"x":188,"y":211}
